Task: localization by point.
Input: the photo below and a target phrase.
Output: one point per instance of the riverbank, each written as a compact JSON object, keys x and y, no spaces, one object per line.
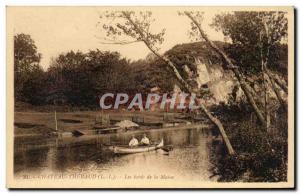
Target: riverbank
{"x":35,"y":142}
{"x":33,"y":123}
{"x":261,"y":155}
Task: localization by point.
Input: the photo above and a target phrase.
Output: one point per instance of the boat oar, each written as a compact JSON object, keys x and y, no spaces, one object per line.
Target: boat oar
{"x":167,"y":148}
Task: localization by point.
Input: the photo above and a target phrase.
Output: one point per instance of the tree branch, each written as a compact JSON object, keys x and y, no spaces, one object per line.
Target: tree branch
{"x":119,"y":43}
{"x":235,"y":70}
{"x":186,"y":86}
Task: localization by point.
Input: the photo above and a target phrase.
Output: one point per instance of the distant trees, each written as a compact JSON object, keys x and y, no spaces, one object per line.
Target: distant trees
{"x":34,"y":90}
{"x":77,"y":78}
{"x":152,"y":72}
{"x":82,"y":77}
{"x":26,"y":63}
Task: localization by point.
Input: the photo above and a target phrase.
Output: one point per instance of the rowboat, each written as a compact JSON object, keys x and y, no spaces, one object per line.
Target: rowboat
{"x":138,"y":149}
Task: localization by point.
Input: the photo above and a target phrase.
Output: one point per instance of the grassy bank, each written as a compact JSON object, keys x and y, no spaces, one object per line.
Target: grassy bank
{"x":32,"y":122}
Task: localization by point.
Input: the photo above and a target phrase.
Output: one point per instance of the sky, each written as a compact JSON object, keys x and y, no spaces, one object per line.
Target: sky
{"x":58,"y":30}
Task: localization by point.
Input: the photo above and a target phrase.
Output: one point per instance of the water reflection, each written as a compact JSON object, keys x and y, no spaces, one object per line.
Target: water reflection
{"x":189,"y":159}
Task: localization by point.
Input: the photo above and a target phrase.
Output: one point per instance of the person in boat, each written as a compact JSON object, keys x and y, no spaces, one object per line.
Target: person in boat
{"x":133,"y":142}
{"x":145,"y":140}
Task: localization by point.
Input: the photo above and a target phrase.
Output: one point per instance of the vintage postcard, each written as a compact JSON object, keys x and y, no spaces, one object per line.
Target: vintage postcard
{"x":150,"y":97}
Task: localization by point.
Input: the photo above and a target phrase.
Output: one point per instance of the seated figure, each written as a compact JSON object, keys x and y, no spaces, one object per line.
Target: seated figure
{"x":133,"y":142}
{"x":145,"y":140}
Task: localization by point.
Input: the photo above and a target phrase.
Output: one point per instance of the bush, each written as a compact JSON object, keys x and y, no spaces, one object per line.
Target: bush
{"x":261,"y":155}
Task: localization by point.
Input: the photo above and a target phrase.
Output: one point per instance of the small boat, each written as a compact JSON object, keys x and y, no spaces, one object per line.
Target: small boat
{"x":138,"y":149}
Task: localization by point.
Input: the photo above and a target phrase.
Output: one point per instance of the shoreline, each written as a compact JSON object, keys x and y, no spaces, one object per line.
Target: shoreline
{"x":72,"y":140}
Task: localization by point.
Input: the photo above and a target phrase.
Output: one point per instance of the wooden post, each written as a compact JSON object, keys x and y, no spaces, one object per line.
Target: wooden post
{"x":56,"y":129}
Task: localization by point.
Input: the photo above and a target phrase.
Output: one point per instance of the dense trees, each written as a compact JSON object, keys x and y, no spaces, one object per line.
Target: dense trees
{"x":81,"y":77}
{"x":255,"y":36}
{"x":77,"y":78}
{"x":257,"y":39}
{"x":26,"y":62}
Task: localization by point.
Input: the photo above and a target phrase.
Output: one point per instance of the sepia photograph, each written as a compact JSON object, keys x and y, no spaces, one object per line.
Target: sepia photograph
{"x":150,"y":97}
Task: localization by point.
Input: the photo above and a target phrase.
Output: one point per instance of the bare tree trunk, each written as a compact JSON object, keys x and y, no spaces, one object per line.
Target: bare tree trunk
{"x":186,"y":86}
{"x":281,"y":83}
{"x":213,"y":119}
{"x":266,"y":98}
{"x":278,"y":81}
{"x":282,"y":102}
{"x":253,"y":93}
{"x":236,"y":72}
{"x":220,"y":127}
{"x":265,"y":87}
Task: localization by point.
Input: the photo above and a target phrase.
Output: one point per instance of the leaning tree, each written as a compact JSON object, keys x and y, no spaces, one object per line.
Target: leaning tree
{"x":197,"y":30}
{"x":257,"y":38}
{"x":135,"y":27}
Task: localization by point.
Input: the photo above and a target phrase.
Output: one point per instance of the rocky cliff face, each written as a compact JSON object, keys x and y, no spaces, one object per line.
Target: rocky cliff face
{"x":219,"y":82}
{"x":203,"y":69}
{"x":214,"y":79}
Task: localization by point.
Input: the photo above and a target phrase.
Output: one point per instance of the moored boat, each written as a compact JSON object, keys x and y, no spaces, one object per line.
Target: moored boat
{"x":138,"y":149}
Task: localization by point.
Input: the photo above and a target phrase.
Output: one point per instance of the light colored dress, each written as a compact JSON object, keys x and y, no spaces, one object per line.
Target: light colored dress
{"x":145,"y":141}
{"x":133,"y":142}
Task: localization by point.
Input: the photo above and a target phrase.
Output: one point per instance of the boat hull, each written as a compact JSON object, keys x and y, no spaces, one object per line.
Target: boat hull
{"x":133,"y":150}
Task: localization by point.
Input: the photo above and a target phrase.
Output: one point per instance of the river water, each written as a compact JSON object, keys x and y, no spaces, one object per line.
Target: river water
{"x":190,"y":158}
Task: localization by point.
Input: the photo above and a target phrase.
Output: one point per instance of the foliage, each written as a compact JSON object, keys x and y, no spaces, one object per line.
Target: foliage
{"x":137,"y":27}
{"x":34,"y":90}
{"x":77,"y":79}
{"x":255,"y":37}
{"x":185,"y":54}
{"x":26,"y":60}
{"x":261,"y":155}
{"x":25,"y":52}
{"x":152,"y":73}
{"x":82,"y":77}
{"x":194,"y":33}
{"x":134,"y":25}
